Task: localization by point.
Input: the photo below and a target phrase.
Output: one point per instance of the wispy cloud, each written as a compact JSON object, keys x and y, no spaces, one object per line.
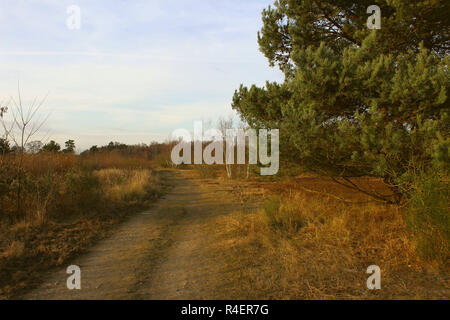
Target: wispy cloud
{"x":136,"y":70}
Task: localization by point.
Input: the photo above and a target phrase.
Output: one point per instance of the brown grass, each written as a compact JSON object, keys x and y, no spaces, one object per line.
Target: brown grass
{"x":305,"y":245}
{"x":67,"y":202}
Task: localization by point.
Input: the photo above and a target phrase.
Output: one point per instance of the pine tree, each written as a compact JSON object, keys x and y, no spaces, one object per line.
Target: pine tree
{"x":356,"y":101}
{"x":70,"y":146}
{"x":52,"y":146}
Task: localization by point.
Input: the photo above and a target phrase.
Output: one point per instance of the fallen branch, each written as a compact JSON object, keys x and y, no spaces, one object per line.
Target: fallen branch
{"x":336,"y":197}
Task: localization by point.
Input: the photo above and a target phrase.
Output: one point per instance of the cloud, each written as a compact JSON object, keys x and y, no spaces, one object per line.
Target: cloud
{"x":135,"y":71}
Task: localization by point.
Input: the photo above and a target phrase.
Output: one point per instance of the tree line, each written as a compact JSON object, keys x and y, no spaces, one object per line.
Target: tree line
{"x":37,"y":146}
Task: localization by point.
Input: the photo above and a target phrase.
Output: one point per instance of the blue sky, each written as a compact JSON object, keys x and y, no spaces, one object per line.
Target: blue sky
{"x":136,"y":69}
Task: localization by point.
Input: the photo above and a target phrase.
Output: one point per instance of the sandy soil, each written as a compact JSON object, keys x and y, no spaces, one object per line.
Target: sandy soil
{"x":158,"y":254}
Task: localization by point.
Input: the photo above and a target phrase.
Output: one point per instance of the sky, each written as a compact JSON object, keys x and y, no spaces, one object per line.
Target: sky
{"x":135,"y":70}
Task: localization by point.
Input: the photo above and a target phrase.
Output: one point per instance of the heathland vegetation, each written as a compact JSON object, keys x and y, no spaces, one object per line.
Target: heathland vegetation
{"x":55,"y":203}
{"x":364,"y":166}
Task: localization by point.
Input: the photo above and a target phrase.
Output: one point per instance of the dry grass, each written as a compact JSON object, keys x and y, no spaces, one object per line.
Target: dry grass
{"x":207,"y":171}
{"x":306,"y":246}
{"x":98,"y":161}
{"x":122,"y":185}
{"x":67,"y":202}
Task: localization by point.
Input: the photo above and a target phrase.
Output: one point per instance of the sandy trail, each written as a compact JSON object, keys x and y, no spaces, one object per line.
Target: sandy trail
{"x":161,"y":253}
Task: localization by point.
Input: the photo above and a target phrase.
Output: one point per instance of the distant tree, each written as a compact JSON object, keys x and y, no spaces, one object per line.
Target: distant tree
{"x":116,"y":146}
{"x":16,"y":150}
{"x":110,"y":146}
{"x":6,"y":129}
{"x":52,"y":146}
{"x":93,"y":149}
{"x":34,"y":147}
{"x":4,"y":146}
{"x":70,"y":146}
{"x":3,"y":110}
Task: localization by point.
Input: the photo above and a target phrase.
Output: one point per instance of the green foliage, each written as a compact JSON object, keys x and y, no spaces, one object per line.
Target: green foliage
{"x":93,"y":149}
{"x":428,"y":215}
{"x":292,"y":24}
{"x":283,"y":217}
{"x":4,"y":146}
{"x":355,"y":102}
{"x":359,"y":102}
{"x":52,"y":146}
{"x":70,"y":146}
{"x":359,"y":113}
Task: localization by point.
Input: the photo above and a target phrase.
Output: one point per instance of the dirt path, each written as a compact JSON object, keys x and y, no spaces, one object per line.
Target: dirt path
{"x":158,"y":254}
